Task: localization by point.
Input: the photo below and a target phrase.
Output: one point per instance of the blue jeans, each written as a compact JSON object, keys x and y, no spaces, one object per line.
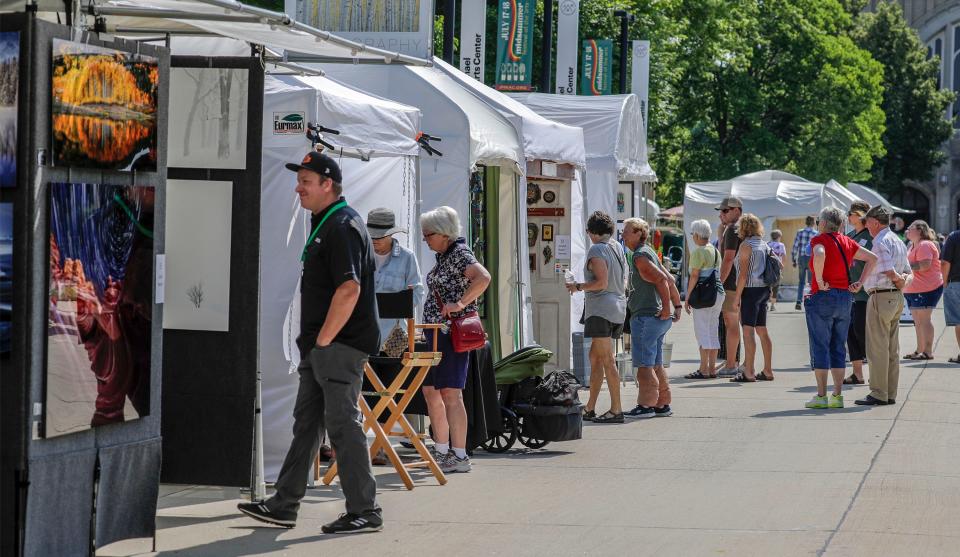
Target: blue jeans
{"x":647,"y":334}
{"x":803,"y":265}
{"x":828,"y":322}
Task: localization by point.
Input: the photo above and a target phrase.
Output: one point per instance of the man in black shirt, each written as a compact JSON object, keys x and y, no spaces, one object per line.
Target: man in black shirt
{"x":338,"y":330}
{"x":950,"y":268}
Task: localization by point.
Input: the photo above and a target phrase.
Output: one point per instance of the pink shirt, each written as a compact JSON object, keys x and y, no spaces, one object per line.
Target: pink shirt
{"x":931,"y":279}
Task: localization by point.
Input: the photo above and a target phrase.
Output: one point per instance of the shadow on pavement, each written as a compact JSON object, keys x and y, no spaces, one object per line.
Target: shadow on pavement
{"x":812,"y":412}
{"x":703,"y":384}
{"x":260,"y":540}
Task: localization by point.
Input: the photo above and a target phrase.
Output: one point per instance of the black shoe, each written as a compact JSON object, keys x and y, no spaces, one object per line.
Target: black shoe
{"x":797,"y":307}
{"x":891,"y":401}
{"x":609,"y":418}
{"x":870,"y":401}
{"x":641,"y":412}
{"x":663,"y":411}
{"x":259,"y":511}
{"x":354,"y":524}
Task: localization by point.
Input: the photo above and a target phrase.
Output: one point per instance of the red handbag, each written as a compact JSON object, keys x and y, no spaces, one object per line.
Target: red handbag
{"x":466,"y":331}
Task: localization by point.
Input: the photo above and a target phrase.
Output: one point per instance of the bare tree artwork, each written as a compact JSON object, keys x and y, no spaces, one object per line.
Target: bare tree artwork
{"x":195,"y":293}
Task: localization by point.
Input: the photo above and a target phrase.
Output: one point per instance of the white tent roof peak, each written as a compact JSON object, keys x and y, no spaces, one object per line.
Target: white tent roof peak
{"x":543,"y":139}
{"x":612,"y":129}
{"x":873,"y":197}
{"x":772,"y":175}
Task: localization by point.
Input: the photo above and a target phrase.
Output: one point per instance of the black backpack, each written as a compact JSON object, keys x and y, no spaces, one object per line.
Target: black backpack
{"x":558,"y":388}
{"x":772,"y":269}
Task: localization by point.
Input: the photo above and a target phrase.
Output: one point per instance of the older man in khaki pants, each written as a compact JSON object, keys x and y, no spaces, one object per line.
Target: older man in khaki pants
{"x":885,"y":285}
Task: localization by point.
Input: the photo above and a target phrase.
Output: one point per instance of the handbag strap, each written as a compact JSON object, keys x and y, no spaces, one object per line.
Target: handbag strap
{"x":846,"y":264}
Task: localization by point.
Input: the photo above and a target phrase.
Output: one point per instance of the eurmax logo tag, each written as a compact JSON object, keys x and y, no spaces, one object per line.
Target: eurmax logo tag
{"x":288,"y":123}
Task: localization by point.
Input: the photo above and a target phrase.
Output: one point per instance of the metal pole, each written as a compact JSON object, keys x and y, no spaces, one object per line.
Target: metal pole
{"x":449,"y":17}
{"x":623,"y":52}
{"x":546,"y":56}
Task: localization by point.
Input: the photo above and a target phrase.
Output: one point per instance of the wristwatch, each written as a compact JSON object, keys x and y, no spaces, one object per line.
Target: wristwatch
{"x":579,"y":286}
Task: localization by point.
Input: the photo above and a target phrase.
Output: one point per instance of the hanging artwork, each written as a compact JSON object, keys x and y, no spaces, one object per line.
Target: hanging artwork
{"x":208,"y":118}
{"x":104,"y":108}
{"x":6,"y":277}
{"x":100,"y":306}
{"x":624,"y":200}
{"x":9,"y":87}
{"x":533,"y":193}
{"x":198,"y":225}
{"x":547,"y":233}
{"x":533,"y":232}
{"x":549,"y":196}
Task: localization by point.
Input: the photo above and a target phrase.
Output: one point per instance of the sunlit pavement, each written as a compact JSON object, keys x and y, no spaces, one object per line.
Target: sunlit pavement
{"x":739,"y":469}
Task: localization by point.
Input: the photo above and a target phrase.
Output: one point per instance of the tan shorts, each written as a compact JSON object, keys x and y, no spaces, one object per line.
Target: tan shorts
{"x":728,"y":301}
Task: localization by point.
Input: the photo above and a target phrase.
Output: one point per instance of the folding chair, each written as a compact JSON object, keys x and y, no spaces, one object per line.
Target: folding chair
{"x":408,"y":381}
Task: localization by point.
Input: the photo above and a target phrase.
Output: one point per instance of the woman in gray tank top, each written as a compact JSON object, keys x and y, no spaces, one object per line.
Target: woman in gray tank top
{"x":604,"y":310}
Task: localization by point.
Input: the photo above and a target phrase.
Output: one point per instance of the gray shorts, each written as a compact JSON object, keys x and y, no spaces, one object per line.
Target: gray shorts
{"x":951,"y":303}
{"x":598,"y":327}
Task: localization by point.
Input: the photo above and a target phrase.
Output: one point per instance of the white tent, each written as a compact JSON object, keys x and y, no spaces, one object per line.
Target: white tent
{"x":613,"y":132}
{"x":543,"y":139}
{"x":379,"y":130}
{"x":873,"y":197}
{"x":473,"y":134}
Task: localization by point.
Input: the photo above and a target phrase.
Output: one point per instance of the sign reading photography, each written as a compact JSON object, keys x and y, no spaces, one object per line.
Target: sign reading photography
{"x":404,"y":26}
{"x":515,"y":44}
{"x":597,"y":66}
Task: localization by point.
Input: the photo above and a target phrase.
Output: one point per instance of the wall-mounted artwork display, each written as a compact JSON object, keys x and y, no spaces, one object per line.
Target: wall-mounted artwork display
{"x":533,"y":232}
{"x":208,"y":118}
{"x":6,"y":277}
{"x":104,"y":108}
{"x":198,"y":221}
{"x":9,"y":87}
{"x":533,"y":193}
{"x":549,"y":196}
{"x":624,"y":200}
{"x":547,"y":233}
{"x":100,"y":306}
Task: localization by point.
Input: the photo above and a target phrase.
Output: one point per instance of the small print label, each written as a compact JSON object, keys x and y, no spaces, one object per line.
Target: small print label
{"x":161,"y":276}
{"x":289,"y":123}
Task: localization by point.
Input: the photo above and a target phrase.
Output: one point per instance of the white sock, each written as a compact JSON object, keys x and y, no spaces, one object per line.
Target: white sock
{"x":460,"y":453}
{"x":442,"y":448}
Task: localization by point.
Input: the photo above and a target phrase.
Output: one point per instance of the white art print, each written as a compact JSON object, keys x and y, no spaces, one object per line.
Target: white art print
{"x":197,"y":292}
{"x":208,"y":118}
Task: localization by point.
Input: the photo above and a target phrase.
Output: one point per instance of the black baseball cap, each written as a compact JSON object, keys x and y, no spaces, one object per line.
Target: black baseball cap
{"x":319,"y":163}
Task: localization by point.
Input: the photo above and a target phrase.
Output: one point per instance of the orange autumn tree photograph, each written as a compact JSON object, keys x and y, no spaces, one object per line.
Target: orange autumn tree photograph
{"x":104,"y":107}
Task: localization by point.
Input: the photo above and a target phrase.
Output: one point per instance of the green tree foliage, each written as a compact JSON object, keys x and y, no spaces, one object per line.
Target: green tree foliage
{"x":912,"y":102}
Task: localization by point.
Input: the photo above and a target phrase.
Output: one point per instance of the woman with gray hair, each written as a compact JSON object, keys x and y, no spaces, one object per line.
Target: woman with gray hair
{"x":829,"y":304}
{"x":454,"y":284}
{"x":705,"y":262}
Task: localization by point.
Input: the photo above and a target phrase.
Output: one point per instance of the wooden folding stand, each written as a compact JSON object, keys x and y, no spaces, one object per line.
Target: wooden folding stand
{"x":408,"y":381}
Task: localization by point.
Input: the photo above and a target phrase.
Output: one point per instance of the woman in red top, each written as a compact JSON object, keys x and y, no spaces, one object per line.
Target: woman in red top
{"x":829,"y":303}
{"x":924,"y":292}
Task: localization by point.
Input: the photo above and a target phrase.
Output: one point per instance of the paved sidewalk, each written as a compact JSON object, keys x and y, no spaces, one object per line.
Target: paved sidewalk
{"x":738,"y":470}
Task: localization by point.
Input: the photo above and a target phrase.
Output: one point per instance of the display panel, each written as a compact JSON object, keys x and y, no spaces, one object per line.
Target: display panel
{"x":212,"y":133}
{"x":100,"y":306}
{"x":104,"y":107}
{"x":9,"y":87}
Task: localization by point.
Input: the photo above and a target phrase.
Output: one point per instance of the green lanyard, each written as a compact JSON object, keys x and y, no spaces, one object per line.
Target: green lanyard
{"x":313,"y":235}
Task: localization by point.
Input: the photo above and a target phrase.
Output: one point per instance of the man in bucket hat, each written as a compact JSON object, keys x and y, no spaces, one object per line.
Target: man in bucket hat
{"x":338,"y":331}
{"x":397,"y":267}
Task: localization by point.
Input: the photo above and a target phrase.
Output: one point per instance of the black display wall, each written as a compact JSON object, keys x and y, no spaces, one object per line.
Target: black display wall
{"x":209,"y":378}
{"x":60,"y":474}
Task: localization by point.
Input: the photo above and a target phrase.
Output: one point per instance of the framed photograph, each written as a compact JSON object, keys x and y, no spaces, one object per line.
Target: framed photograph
{"x":213,"y":132}
{"x":547,"y":233}
{"x":104,"y":108}
{"x":100,"y":303}
{"x":9,"y":88}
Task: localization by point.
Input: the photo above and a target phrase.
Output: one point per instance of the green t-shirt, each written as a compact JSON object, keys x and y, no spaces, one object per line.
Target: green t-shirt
{"x":705,"y":257}
{"x":644,"y":299}
{"x":864,"y":240}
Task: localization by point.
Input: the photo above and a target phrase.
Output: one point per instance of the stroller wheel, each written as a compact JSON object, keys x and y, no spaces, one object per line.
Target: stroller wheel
{"x":502,"y":441}
{"x":531,"y":442}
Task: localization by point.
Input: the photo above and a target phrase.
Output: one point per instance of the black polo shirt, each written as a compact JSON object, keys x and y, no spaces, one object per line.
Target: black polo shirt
{"x":340,"y":252}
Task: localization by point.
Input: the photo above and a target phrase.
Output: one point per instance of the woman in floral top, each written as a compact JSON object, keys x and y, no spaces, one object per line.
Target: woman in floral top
{"x":454,"y":285}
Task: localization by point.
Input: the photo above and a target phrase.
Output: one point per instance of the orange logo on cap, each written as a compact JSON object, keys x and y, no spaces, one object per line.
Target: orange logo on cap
{"x":306,"y":159}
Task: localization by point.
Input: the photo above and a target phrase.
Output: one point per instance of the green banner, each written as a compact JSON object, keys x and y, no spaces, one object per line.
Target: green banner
{"x":597,"y":67}
{"x":515,"y":44}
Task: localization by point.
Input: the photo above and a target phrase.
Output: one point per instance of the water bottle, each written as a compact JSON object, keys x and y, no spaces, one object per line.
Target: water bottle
{"x":568,"y":277}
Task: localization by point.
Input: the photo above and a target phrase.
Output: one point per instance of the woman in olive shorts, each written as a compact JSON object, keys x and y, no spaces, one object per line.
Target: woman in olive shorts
{"x":604,"y":309}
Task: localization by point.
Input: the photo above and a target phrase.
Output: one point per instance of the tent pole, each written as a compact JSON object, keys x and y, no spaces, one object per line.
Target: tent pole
{"x":449,"y":16}
{"x":519,"y":182}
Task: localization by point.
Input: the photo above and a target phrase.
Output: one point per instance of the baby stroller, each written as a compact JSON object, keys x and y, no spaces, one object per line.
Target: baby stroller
{"x":533,"y":409}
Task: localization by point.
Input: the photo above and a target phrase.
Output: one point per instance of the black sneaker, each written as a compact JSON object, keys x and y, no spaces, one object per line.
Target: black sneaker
{"x":798,"y":307}
{"x":641,"y":412}
{"x":259,"y":511}
{"x":663,"y":411}
{"x":354,"y":524}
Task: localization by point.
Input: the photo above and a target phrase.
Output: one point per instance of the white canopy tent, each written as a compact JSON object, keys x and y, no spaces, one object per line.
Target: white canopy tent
{"x":613,"y":132}
{"x":371,"y":128}
{"x":873,"y":197}
{"x":473,"y":134}
{"x":543,"y":139}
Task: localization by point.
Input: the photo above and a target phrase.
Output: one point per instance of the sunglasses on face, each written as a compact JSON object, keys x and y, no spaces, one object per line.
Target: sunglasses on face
{"x":725,"y":211}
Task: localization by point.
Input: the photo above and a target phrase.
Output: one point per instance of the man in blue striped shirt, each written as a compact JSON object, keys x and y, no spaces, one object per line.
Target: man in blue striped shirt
{"x":800,"y":255}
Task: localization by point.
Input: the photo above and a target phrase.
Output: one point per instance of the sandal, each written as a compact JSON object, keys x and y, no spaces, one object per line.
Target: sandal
{"x":589,"y":415}
{"x":609,"y":418}
{"x":954,"y":360}
{"x":763,"y":377}
{"x":698,"y":375}
{"x":924,"y":356}
{"x":852,"y":380}
{"x":742,"y":378}
{"x":914,"y":356}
